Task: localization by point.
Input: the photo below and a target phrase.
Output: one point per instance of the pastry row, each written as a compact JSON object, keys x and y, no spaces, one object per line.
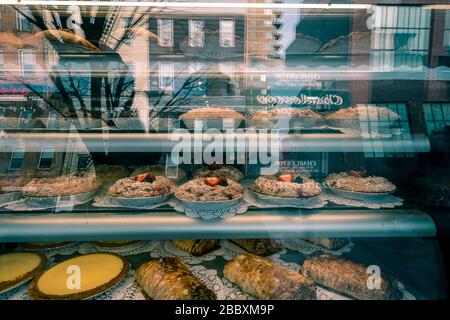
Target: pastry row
{"x":213,"y":183}
{"x":168,"y":278}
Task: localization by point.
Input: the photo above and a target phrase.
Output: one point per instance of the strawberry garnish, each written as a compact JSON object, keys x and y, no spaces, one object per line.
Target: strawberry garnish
{"x":145,"y":177}
{"x":286,"y":178}
{"x":354,"y":173}
{"x":212,"y":181}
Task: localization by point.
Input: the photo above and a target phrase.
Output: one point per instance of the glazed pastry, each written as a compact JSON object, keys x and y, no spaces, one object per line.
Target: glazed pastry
{"x":99,"y":272}
{"x":209,"y":189}
{"x":197,"y":247}
{"x":219,"y":171}
{"x":62,"y":186}
{"x":156,"y":170}
{"x":347,"y":277}
{"x":260,"y":247}
{"x":355,"y":181}
{"x":19,"y":267}
{"x":329,"y":243}
{"x":212,"y":113}
{"x":141,"y":186}
{"x":264,"y":279}
{"x":169,"y":279}
{"x":287,"y":186}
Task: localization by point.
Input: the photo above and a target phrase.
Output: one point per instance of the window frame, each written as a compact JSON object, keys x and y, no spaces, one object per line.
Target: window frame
{"x":40,"y":157}
{"x":21,"y":64}
{"x":192,"y":43}
{"x":222,"y":33}
{"x":12,"y":158}
{"x":160,"y":32}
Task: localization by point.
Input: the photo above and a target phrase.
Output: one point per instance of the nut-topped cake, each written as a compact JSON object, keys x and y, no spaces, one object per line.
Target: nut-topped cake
{"x":62,"y":186}
{"x":286,"y":186}
{"x":219,"y":171}
{"x":363,"y":111}
{"x":212,"y":113}
{"x":286,"y":113}
{"x":141,"y":186}
{"x":356,"y":181}
{"x":210,"y":189}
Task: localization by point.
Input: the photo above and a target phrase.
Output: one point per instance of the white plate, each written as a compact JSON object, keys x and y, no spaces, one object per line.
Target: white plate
{"x":284,"y":201}
{"x":9,"y":197}
{"x":209,"y":205}
{"x":363,"y":196}
{"x":140,"y":202}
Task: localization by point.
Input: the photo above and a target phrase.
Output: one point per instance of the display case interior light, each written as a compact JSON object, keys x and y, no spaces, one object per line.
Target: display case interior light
{"x":191,"y":4}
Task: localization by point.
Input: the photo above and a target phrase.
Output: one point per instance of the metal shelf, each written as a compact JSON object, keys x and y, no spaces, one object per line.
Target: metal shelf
{"x":161,"y":142}
{"x":166,"y":224}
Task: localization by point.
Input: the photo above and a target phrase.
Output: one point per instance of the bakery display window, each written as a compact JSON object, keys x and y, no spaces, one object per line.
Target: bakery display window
{"x":271,"y":150}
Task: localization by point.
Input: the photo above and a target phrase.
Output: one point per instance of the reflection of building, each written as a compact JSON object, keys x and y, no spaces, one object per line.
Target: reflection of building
{"x":194,"y":57}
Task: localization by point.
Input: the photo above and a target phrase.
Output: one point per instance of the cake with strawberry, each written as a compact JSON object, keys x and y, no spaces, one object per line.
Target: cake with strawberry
{"x":144,"y":185}
{"x":286,"y":186}
{"x":219,"y":171}
{"x":209,"y":189}
{"x":357,"y":181}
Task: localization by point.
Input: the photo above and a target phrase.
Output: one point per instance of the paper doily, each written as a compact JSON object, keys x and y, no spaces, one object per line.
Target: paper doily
{"x":387,"y":201}
{"x":307,"y":248}
{"x":238,"y":208}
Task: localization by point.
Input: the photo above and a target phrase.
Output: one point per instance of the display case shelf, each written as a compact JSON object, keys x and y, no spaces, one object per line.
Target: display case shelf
{"x":165,"y":142}
{"x":257,"y":223}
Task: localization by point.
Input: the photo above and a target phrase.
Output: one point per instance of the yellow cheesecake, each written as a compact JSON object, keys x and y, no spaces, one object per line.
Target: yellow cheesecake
{"x":80,"y":277}
{"x":115,"y":243}
{"x":18,"y":267}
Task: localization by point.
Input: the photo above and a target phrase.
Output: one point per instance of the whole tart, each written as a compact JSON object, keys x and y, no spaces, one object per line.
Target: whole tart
{"x":286,"y":113}
{"x":114,"y":243}
{"x":355,"y":181}
{"x":286,"y":186}
{"x":99,"y":272}
{"x":212,"y":117}
{"x":141,"y":186}
{"x":219,"y":171}
{"x":111,"y":172}
{"x":17,"y":268}
{"x":294,"y":118}
{"x":361,"y":111}
{"x":157,"y":170}
{"x":210,"y":189}
{"x":62,"y":186}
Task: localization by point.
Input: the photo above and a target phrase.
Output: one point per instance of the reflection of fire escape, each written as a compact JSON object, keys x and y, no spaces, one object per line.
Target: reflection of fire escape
{"x":111,"y":20}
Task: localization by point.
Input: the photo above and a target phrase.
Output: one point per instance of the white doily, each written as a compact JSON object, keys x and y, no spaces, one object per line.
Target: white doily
{"x":107,"y":202}
{"x":307,"y":248}
{"x":387,"y":201}
{"x":254,"y":200}
{"x":238,"y":208}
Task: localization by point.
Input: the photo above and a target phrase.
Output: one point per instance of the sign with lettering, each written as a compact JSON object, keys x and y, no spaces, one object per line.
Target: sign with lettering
{"x":302,"y":99}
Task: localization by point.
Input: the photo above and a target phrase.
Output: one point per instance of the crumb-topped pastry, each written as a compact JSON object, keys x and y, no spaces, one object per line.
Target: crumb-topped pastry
{"x":157,"y":170}
{"x":212,"y":113}
{"x":219,"y":171}
{"x":141,"y":186}
{"x":209,"y":189}
{"x":62,"y":186}
{"x":110,"y":172}
{"x":286,"y":186}
{"x":355,"y":181}
{"x":286,"y":113}
{"x":12,"y":184}
{"x":363,"y":111}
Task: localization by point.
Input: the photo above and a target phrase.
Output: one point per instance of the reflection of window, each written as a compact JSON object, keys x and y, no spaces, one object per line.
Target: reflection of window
{"x":2,"y":64}
{"x":166,"y":76}
{"x":447,"y":31}
{"x":27,"y":62}
{"x":46,"y":159}
{"x":17,"y":158}
{"x":25,"y":118}
{"x":437,"y":116}
{"x":82,"y":161}
{"x":23,"y":24}
{"x":196,"y":34}
{"x":127,"y":23}
{"x":165,"y":32}
{"x":226,"y":33}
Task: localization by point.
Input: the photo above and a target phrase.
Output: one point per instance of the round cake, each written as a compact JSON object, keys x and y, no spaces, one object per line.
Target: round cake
{"x":19,"y":267}
{"x":219,"y":171}
{"x":209,"y":189}
{"x":62,"y":186}
{"x":98,"y":272}
{"x":364,"y":112}
{"x":286,"y":186}
{"x":212,"y":113}
{"x":355,"y":181}
{"x":144,"y":185}
{"x":285,"y":113}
